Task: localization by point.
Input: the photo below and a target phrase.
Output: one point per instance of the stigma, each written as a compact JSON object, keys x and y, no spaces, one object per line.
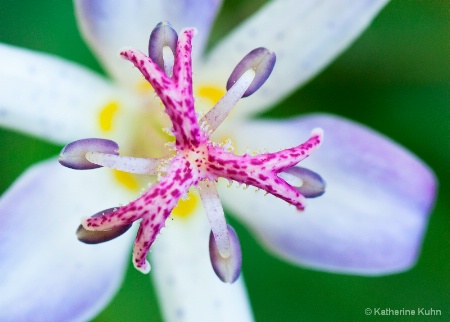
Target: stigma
{"x":196,"y":161}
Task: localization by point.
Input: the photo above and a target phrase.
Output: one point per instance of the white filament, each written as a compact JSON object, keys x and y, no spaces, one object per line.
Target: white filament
{"x":127,"y":164}
{"x":214,"y":212}
{"x":221,"y":110}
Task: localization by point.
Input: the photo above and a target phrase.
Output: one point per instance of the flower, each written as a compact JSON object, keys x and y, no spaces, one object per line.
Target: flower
{"x":377,"y":219}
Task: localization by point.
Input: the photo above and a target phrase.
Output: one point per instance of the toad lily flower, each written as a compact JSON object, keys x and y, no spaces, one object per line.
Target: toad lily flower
{"x":370,"y":220}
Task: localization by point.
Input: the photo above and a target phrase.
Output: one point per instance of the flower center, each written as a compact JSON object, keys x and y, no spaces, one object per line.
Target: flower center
{"x":194,"y":160}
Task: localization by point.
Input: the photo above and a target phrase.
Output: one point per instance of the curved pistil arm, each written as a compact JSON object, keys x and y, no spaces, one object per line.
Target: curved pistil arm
{"x":262,"y":170}
{"x":176,"y":91}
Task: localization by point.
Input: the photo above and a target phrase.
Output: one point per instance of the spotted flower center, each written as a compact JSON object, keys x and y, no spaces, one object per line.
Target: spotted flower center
{"x":196,"y":160}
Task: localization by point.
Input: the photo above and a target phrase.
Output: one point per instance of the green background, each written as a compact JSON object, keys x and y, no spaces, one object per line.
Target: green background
{"x":395,"y":78}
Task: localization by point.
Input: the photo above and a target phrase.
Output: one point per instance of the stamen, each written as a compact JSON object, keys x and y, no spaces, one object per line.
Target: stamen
{"x":73,"y":155}
{"x":214,"y":211}
{"x":128,"y":164}
{"x":221,"y":110}
{"x":262,"y":61}
{"x":227,"y":269}
{"x":307,"y":182}
{"x":162,"y":46}
{"x":97,"y":237}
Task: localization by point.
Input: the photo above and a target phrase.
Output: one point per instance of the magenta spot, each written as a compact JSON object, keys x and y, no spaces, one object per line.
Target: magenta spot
{"x":212,"y":166}
{"x":256,"y":162}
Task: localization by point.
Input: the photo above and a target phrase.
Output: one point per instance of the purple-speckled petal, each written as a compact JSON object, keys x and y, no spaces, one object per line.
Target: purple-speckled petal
{"x":305,"y":35}
{"x":49,"y":97}
{"x":261,"y":60}
{"x":46,"y":273}
{"x":110,"y":25}
{"x":227,"y":269}
{"x":187,"y":287}
{"x":373,"y":215}
{"x":73,"y":155}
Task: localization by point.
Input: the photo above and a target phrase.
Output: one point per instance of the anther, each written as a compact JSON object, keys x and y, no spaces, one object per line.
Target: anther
{"x":307,"y":182}
{"x":100,"y":236}
{"x":262,"y":61}
{"x":227,"y":269}
{"x":162,"y":46}
{"x":73,"y":155}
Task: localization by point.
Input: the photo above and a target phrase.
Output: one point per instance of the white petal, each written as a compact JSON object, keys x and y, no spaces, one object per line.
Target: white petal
{"x":51,"y":98}
{"x":305,"y":36}
{"x":110,"y":25}
{"x":187,"y":286}
{"x":374,"y":212}
{"x":46,"y":273}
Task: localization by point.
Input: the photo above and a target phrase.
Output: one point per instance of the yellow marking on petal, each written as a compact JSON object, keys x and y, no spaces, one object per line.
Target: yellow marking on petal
{"x":208,"y":97}
{"x":212,"y":93}
{"x":144,"y":87}
{"x":186,"y":207}
{"x":106,"y":116}
{"x":126,"y":179}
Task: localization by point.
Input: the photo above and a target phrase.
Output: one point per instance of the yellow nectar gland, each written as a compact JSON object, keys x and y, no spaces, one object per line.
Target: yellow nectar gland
{"x":126,"y":179}
{"x":208,"y":97}
{"x":107,"y":114}
{"x":212,"y":93}
{"x":185,"y":207}
{"x":144,"y":87}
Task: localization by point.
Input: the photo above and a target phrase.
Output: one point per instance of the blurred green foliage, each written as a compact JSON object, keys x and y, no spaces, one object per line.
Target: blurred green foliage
{"x":395,"y":78}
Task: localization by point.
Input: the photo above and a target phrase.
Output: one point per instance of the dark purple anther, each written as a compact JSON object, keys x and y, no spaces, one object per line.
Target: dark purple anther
{"x":227,"y":269}
{"x":312,"y":184}
{"x":261,"y":60}
{"x":163,"y":35}
{"x":73,"y":155}
{"x":100,"y":236}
